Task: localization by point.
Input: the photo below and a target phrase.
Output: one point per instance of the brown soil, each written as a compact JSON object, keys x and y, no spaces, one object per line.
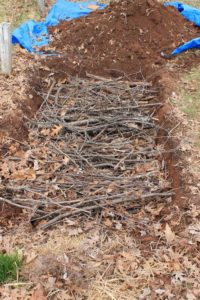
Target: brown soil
{"x":113,"y":257}
{"x":16,"y":102}
{"x":125,"y":38}
{"x":171,"y":157}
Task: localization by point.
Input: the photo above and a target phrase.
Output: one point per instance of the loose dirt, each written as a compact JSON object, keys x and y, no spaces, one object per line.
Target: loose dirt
{"x":150,"y":254}
{"x":125,"y":38}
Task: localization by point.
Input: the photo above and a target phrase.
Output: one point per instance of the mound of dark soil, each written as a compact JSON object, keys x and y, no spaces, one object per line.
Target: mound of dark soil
{"x":127,"y":37}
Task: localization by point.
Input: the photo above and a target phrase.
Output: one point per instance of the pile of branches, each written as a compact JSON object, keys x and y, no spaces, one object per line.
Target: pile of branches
{"x":92,"y":147}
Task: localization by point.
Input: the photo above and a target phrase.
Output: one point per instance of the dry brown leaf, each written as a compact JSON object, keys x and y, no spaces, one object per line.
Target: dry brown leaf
{"x":194,"y":211}
{"x":66,"y":160}
{"x":169,"y":234}
{"x":39,"y":294}
{"x":146,"y":292}
{"x":111,"y":187}
{"x":190,"y":296}
{"x":133,"y":125}
{"x":51,"y":282}
{"x":36,"y":165}
{"x":118,"y":226}
{"x":30,"y":257}
{"x":56,"y":130}
{"x":154,"y":211}
{"x":74,"y":231}
{"x":45,"y":132}
{"x":128,"y":256}
{"x":23,"y":174}
{"x":194,"y":229}
{"x":142,"y":168}
{"x":108,"y":222}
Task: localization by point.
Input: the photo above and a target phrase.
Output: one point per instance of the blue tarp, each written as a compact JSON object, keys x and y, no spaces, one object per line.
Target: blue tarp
{"x":191,"y":14}
{"x":188,"y":12}
{"x":32,"y":35}
{"x":192,"y":44}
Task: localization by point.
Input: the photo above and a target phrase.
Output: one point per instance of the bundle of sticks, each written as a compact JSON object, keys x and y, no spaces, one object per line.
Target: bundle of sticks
{"x":92,"y":146}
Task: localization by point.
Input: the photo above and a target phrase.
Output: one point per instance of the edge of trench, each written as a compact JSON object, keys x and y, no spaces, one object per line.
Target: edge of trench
{"x":171,"y":158}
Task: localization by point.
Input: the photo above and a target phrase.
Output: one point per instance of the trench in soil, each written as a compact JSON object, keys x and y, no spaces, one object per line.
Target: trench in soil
{"x":96,"y":163}
{"x":109,"y":55}
{"x":168,"y":158}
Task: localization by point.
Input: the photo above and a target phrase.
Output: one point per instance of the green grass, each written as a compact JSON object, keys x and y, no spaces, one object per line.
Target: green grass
{"x":9,"y":266}
{"x":189,"y":91}
{"x":190,"y":96}
{"x":188,"y":101}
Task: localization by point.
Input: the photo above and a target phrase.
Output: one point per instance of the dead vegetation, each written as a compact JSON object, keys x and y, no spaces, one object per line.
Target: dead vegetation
{"x":92,"y":146}
{"x":92,"y":168}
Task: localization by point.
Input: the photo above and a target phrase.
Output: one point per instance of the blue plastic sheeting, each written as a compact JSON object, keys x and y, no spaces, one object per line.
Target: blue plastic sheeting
{"x":192,"y":44}
{"x":63,"y":10}
{"x":191,"y":14}
{"x":188,"y":12}
{"x":32,"y":35}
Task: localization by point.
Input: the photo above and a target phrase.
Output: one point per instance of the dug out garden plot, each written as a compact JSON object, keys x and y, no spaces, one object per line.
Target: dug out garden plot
{"x":89,"y":186}
{"x":91,"y":150}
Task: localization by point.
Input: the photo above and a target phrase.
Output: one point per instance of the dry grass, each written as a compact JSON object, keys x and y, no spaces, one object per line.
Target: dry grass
{"x":123,"y":259}
{"x":187,"y":98}
{"x":18,"y":11}
{"x":106,"y":263}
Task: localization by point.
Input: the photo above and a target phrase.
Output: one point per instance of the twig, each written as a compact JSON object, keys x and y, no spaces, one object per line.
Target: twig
{"x":91,"y":208}
{"x":92,"y":146}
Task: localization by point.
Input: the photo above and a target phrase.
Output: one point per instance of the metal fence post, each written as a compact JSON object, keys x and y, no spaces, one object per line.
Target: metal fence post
{"x":5,"y":48}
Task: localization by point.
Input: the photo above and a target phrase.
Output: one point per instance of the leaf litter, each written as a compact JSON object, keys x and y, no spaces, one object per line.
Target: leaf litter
{"x":100,"y":152}
{"x":113,"y":252}
{"x":107,"y":250}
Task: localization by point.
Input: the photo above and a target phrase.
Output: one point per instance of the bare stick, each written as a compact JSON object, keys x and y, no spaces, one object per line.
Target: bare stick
{"x":91,"y":208}
{"x":92,"y":146}
{"x":13,"y":203}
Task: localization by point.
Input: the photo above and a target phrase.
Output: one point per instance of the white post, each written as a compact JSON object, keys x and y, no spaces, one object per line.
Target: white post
{"x":41,"y":6}
{"x":5,"y":48}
